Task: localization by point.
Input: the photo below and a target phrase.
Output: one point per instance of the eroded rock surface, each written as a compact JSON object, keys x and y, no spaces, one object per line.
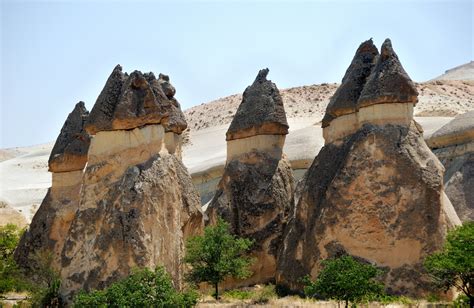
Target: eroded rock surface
{"x":261,"y":111}
{"x":70,"y":150}
{"x":133,"y":204}
{"x":454,"y":146}
{"x":256,"y":190}
{"x":376,"y":194}
{"x":129,"y":101}
{"x":344,"y":100}
{"x":51,"y":222}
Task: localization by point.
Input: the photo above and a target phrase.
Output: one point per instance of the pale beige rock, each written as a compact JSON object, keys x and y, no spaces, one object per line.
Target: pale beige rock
{"x":173,"y":143}
{"x":340,"y":127}
{"x":270,"y":144}
{"x":138,"y":207}
{"x":144,"y":142}
{"x":377,"y":196}
{"x":383,"y":114}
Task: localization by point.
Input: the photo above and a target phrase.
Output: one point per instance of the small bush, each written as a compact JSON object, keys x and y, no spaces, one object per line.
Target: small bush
{"x":143,"y":288}
{"x":238,"y":294}
{"x":344,"y":279}
{"x":44,"y":281}
{"x":453,"y":266}
{"x":217,"y":255}
{"x":264,"y":295}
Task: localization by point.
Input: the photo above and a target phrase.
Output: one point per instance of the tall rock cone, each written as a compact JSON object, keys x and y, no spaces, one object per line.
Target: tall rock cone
{"x":454,"y":145}
{"x":340,"y":119}
{"x":137,"y":203}
{"x":51,"y":222}
{"x":376,"y":194}
{"x":256,"y":189}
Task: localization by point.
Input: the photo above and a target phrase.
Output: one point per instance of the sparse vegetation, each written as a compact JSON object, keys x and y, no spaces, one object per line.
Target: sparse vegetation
{"x":217,"y":255}
{"x":453,"y":266}
{"x":10,"y":275}
{"x":143,"y":288}
{"x":45,"y":281}
{"x":344,"y":279}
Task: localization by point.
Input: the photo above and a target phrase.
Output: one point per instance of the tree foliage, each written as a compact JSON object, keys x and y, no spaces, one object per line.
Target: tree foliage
{"x":10,"y":275}
{"x":217,"y":255}
{"x":344,"y":279}
{"x":143,"y":288}
{"x":453,"y":266}
{"x":44,"y":280}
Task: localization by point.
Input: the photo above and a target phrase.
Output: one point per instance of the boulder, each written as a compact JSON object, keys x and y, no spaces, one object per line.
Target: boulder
{"x":376,"y":194}
{"x":256,"y":190}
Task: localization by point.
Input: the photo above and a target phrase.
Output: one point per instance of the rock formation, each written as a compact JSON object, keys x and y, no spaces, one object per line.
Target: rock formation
{"x":454,"y":146}
{"x":137,"y":204}
{"x":340,"y":119}
{"x":53,"y":219}
{"x":375,"y":191}
{"x":256,"y":189}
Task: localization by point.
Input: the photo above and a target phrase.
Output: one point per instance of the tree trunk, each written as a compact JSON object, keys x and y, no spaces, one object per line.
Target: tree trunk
{"x":471,"y":301}
{"x":347,"y":303}
{"x":217,"y":291}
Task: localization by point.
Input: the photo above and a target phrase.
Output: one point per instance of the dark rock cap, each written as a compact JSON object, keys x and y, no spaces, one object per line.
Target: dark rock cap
{"x":388,"y":82}
{"x":261,"y":111}
{"x":344,"y":100}
{"x":70,"y":150}
{"x":130,"y":101}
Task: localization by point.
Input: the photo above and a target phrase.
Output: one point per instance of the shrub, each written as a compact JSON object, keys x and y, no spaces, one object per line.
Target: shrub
{"x":10,"y":275}
{"x":217,"y":255}
{"x":264,"y":295}
{"x":453,"y":266}
{"x":45,"y":281}
{"x":344,"y":279}
{"x":143,"y":288}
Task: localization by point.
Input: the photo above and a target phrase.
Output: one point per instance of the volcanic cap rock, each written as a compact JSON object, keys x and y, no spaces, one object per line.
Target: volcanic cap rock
{"x":70,"y":149}
{"x":344,"y":100}
{"x":388,"y":82}
{"x":261,"y":111}
{"x":135,"y":100}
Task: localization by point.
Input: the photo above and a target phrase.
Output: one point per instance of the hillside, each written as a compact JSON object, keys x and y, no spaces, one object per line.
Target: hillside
{"x":25,"y":178}
{"x":461,"y":72}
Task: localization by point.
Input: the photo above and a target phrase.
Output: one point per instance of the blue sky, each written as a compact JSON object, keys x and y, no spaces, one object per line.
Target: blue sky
{"x":55,"y":53}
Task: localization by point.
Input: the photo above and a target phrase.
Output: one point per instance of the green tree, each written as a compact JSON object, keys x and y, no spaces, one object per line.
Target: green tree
{"x":453,"y":266}
{"x":10,"y":275}
{"x":217,"y":255}
{"x":344,"y":279}
{"x":44,"y":280}
{"x":143,"y":288}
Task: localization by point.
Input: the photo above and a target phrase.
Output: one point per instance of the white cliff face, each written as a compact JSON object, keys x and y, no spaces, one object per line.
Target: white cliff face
{"x":453,"y":144}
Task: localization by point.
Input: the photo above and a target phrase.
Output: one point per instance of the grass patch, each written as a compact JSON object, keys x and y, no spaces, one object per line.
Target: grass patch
{"x":239,"y":294}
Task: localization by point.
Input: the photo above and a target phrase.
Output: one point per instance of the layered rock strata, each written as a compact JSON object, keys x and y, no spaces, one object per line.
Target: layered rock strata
{"x":137,"y":204}
{"x":376,"y":193}
{"x":51,"y":222}
{"x":256,"y":189}
{"x":453,"y":144}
